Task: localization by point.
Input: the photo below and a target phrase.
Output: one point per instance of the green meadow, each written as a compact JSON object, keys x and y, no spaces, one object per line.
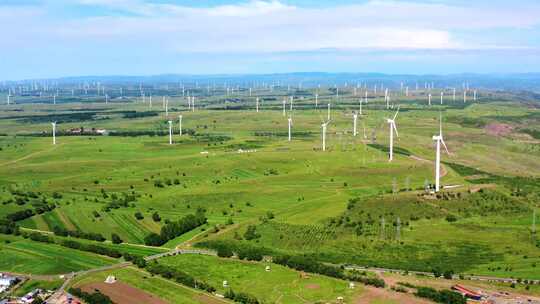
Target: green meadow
{"x":237,"y":165}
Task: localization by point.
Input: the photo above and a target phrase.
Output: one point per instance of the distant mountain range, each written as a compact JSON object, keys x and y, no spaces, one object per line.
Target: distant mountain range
{"x":523,"y":81}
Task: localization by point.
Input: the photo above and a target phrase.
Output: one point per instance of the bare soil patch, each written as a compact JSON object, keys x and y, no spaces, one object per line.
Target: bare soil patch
{"x":122,"y":293}
{"x":206,"y":299}
{"x":372,"y":294}
{"x":498,"y":129}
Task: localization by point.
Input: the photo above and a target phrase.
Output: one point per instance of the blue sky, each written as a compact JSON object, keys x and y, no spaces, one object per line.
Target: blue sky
{"x":54,"y":38}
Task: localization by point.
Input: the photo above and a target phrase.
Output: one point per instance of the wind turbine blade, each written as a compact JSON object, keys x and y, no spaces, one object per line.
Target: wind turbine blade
{"x":395,"y":129}
{"x":396,"y":114}
{"x":444,"y":145}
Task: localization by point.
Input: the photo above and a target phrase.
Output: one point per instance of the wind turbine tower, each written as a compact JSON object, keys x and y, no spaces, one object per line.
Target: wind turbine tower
{"x":439,"y":139}
{"x":170,"y":132}
{"x":355,"y":118}
{"x":392,"y":128}
{"x":290,"y":125}
{"x":328,"y":113}
{"x":324,"y":125}
{"x":256,"y":102}
{"x":53,"y":132}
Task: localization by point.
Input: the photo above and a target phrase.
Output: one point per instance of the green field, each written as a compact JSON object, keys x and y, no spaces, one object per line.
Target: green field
{"x":296,"y":195}
{"x":279,"y":285}
{"x":24,"y":256}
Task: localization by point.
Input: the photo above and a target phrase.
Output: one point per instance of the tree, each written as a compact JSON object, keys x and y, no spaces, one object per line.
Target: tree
{"x":251,"y":233}
{"x":156,"y":217}
{"x":139,"y":215}
{"x":153,"y":239}
{"x":116,"y":239}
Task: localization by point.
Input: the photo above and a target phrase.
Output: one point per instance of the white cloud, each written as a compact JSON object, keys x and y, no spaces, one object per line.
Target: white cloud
{"x":271,"y":26}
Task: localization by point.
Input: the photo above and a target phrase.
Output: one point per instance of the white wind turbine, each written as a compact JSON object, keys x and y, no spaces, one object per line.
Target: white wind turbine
{"x":328,"y":113}
{"x":360,"y":106}
{"x":323,"y":126}
{"x":355,"y":118}
{"x":454,"y":97}
{"x":429,"y":99}
{"x":392,"y":128}
{"x":442,"y":95}
{"x":284,"y":104}
{"x":170,"y":132}
{"x":439,"y":139}
{"x":290,"y":125}
{"x":53,"y":132}
{"x":193,"y":104}
{"x":256,"y":102}
{"x":316,"y":100}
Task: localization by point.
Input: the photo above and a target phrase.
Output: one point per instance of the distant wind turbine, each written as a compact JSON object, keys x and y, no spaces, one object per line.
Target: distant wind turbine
{"x":54,"y":132}
{"x":439,"y":139}
{"x":324,"y":126}
{"x":392,"y":128}
{"x":355,"y":118}
{"x":170,"y":132}
{"x":290,"y":125}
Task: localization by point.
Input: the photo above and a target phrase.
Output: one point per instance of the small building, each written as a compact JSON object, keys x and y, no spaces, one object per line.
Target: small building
{"x":31,"y":296}
{"x":267,"y":268}
{"x":351,"y":285}
{"x":110,"y":279}
{"x":6,"y":282}
{"x":225,"y":284}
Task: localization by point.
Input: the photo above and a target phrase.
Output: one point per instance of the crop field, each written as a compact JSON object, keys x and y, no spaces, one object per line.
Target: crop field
{"x":345,"y":205}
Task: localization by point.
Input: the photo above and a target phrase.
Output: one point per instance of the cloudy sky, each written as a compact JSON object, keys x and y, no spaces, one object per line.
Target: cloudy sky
{"x":53,"y":38}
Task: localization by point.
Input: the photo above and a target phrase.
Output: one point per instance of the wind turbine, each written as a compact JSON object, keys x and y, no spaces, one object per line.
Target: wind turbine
{"x":392,"y":127}
{"x":284,"y":103}
{"x":442,"y":95}
{"x":355,"y":118}
{"x":256,"y":101}
{"x":429,"y":99}
{"x":454,"y":97}
{"x":324,"y":125}
{"x":170,"y":132}
{"x":328,"y":113}
{"x":464,"y":96}
{"x":193,"y":104}
{"x":439,"y":139}
{"x":360,"y":106}
{"x":316,"y":100}
{"x":53,"y":132}
{"x":290,"y":125}
{"x":474,"y":96}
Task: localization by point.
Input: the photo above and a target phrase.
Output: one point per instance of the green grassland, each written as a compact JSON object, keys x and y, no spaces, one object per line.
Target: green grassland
{"x":279,"y":285}
{"x":304,"y":188}
{"x":25,"y":256}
